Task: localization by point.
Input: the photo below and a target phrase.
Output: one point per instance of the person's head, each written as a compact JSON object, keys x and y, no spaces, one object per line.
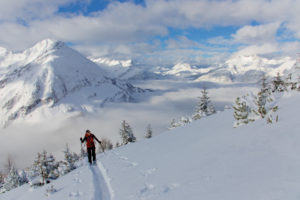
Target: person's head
{"x":88,"y":132}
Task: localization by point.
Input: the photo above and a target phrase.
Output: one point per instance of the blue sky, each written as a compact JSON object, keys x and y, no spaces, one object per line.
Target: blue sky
{"x":173,"y":31}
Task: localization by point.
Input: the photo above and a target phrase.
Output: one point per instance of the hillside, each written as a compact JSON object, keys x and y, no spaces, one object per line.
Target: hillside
{"x":208,"y":159}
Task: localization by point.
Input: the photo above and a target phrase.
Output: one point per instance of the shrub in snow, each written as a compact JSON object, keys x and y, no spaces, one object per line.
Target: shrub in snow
{"x":182,"y":121}
{"x":174,"y":124}
{"x":148,"y":132}
{"x":50,"y":190}
{"x":204,"y":106}
{"x":35,"y":181}
{"x":106,"y":144}
{"x":126,"y":133}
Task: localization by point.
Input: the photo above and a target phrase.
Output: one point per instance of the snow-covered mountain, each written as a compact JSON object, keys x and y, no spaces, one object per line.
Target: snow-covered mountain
{"x":51,"y":77}
{"x":245,"y":69}
{"x":207,"y":159}
{"x":128,"y":70}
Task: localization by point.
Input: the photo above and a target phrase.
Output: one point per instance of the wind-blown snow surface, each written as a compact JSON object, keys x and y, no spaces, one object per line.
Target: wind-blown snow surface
{"x":207,"y":159}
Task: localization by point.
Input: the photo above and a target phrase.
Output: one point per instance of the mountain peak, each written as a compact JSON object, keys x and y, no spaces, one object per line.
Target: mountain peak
{"x":47,"y":44}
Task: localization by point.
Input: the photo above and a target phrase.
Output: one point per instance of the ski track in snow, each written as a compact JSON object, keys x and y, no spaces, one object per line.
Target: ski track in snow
{"x":102,"y":187}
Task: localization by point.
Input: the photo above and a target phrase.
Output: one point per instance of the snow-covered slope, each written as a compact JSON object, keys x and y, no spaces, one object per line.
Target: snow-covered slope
{"x":52,"y":75}
{"x":208,"y":159}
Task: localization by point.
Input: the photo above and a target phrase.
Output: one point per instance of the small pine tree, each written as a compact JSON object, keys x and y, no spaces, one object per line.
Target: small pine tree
{"x":9,"y":163}
{"x":69,"y":159}
{"x":23,"y":177}
{"x":263,"y":97}
{"x":45,"y":167}
{"x":241,"y":112}
{"x":204,"y":106}
{"x":278,"y":85}
{"x":12,"y":180}
{"x":298,"y":89}
{"x":83,"y":152}
{"x":1,"y":178}
{"x":126,"y":133}
{"x":148,"y":132}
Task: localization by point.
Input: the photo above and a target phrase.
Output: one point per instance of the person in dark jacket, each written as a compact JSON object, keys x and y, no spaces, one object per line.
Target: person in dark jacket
{"x":90,"y":145}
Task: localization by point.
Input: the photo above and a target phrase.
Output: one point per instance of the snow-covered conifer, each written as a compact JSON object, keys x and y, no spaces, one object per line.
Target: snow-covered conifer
{"x":278,"y":85}
{"x":1,"y":178}
{"x":204,"y":106}
{"x":83,"y":152}
{"x":69,"y":159}
{"x":23,"y":177}
{"x":12,"y":179}
{"x":263,"y":97}
{"x":126,"y":133}
{"x":241,"y":112}
{"x":45,"y":167}
{"x":148,"y":132}
{"x":298,"y":84}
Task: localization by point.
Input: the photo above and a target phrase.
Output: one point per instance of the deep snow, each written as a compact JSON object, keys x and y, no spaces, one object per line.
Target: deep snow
{"x":208,"y":159}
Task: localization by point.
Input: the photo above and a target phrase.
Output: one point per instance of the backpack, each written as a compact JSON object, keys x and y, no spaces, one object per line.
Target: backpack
{"x":89,"y":140}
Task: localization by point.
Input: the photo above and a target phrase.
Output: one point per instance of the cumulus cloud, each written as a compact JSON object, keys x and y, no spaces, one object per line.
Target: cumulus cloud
{"x":129,"y":29}
{"x":26,"y":10}
{"x":264,"y":49}
{"x":259,"y":34}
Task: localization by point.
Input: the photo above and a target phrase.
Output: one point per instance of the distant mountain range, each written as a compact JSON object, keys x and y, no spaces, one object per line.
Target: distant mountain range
{"x":245,"y":69}
{"x":52,"y":78}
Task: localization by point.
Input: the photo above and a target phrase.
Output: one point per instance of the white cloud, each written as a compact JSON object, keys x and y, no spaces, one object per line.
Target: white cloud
{"x":257,"y":34}
{"x":26,"y":10}
{"x":125,"y":28}
{"x":264,"y":49}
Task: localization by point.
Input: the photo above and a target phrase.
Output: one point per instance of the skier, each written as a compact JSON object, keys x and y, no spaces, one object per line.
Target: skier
{"x":90,"y":145}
